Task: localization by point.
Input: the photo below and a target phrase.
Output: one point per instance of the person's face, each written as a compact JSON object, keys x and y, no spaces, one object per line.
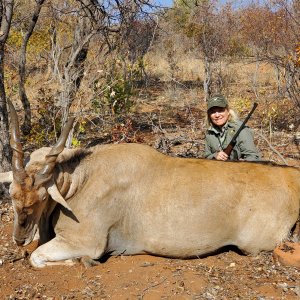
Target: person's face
{"x":218,"y":115}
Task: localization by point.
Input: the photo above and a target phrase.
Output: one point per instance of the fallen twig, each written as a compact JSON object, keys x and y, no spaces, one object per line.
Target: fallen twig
{"x":141,"y":296}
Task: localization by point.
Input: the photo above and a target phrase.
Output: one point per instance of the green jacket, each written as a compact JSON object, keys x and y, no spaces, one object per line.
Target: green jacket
{"x":217,"y":140}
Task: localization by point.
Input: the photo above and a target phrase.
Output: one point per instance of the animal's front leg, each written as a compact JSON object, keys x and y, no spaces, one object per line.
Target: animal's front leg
{"x":57,"y":252}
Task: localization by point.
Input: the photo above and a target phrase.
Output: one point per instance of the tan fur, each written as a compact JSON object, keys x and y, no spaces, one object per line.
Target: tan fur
{"x":130,"y":199}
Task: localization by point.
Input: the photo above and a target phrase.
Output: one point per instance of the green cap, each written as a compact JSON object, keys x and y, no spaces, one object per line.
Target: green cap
{"x":218,"y":100}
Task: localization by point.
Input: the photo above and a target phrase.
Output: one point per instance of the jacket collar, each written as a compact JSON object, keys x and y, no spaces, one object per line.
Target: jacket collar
{"x":220,"y":131}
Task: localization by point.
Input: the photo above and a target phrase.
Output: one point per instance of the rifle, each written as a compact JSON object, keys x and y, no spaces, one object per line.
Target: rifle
{"x":232,"y":143}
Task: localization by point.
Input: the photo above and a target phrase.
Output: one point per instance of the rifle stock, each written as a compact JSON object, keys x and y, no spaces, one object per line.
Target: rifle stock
{"x":229,"y":148}
{"x":232,"y":143}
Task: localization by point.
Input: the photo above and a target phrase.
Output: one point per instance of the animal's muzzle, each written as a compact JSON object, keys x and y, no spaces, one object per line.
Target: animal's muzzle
{"x":19,"y":242}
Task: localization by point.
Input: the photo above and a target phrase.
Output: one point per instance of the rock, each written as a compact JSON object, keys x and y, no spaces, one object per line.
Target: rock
{"x":147,"y":264}
{"x":288,"y":254}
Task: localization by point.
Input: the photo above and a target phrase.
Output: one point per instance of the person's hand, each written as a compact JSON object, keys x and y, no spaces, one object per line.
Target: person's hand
{"x":221,"y":156}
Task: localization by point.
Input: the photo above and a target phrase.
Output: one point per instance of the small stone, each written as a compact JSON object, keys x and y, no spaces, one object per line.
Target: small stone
{"x":147,"y":264}
{"x":283,"y":286}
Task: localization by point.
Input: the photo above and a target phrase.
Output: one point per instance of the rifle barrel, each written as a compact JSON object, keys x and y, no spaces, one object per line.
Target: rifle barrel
{"x":244,"y":123}
{"x":232,"y":143}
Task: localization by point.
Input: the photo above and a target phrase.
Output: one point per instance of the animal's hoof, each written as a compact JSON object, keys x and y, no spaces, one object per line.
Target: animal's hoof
{"x":36,"y":261}
{"x":89,"y":262}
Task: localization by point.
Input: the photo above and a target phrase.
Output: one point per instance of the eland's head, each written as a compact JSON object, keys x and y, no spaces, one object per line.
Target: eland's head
{"x":31,"y":187}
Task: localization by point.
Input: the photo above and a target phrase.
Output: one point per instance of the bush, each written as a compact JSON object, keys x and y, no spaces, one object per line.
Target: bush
{"x":114,"y":90}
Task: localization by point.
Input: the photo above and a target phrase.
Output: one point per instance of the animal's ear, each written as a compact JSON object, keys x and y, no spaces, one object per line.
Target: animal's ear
{"x":6,"y":177}
{"x":56,"y":196}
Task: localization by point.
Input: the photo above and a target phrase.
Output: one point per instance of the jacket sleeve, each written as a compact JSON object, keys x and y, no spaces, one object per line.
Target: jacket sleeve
{"x":208,"y":149}
{"x":247,"y":147}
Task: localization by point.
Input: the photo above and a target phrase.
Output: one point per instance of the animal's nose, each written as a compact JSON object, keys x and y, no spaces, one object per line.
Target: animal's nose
{"x":19,"y":242}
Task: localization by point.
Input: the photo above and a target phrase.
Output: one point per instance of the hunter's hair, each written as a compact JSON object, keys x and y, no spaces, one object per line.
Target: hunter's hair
{"x":232,"y":117}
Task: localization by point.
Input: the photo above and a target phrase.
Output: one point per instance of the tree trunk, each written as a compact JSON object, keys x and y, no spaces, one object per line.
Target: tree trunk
{"x":5,"y":151}
{"x":278,"y":80}
{"x":292,"y":79}
{"x":6,"y":10}
{"x":255,"y":81}
{"x":71,"y":81}
{"x":207,"y":78}
{"x":74,"y":70}
{"x":26,"y":126}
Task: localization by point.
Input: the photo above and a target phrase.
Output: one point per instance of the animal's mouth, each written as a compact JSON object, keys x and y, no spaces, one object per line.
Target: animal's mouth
{"x":19,"y":242}
{"x":27,"y":240}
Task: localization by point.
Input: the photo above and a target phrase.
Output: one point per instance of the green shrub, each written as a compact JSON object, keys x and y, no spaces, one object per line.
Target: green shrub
{"x":113,"y":91}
